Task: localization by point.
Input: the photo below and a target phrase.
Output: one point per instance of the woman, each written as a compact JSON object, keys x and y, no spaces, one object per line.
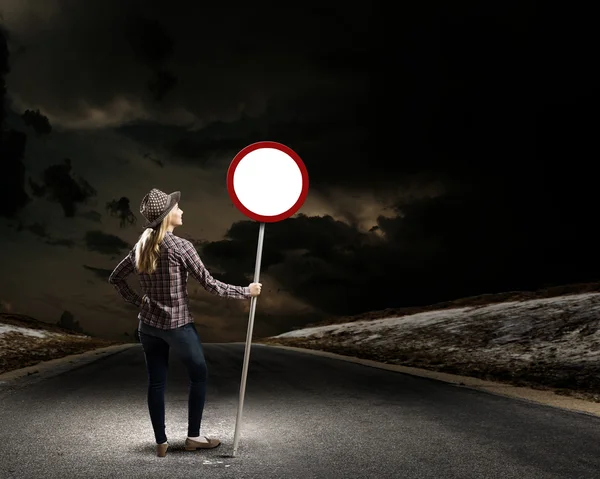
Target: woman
{"x":162,"y":262}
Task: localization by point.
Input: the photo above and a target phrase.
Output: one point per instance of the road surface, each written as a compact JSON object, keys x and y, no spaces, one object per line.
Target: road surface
{"x":305,"y":416}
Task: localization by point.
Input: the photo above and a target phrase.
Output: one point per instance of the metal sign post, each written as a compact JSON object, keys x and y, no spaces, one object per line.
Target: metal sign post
{"x":267,"y":182}
{"x":238,"y":419}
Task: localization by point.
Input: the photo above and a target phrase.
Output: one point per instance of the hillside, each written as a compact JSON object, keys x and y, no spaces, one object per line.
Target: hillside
{"x":25,"y":341}
{"x":480,"y":300}
{"x":545,"y":340}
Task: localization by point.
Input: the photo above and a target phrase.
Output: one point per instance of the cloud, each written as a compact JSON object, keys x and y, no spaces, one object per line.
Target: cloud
{"x":121,"y":209}
{"x":39,"y":230}
{"x":325,"y":127}
{"x":176,"y":55}
{"x":37,"y":121}
{"x":437,"y":129}
{"x":4,"y":69}
{"x":92,"y":216}
{"x":101,"y":273}
{"x":13,"y":196}
{"x":153,"y":46}
{"x":105,"y":243}
{"x":59,"y":186}
{"x":61,"y":242}
{"x":436,"y":248}
{"x":317,"y":259}
{"x":317,"y":94}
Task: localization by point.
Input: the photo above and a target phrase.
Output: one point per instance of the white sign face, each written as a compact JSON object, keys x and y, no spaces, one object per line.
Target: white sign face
{"x":267,"y":181}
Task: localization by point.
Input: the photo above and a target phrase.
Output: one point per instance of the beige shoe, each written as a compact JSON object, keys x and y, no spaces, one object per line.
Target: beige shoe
{"x":161,"y":449}
{"x":193,"y":445}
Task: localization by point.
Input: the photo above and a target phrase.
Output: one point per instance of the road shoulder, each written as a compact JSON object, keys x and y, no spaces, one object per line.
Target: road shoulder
{"x":53,"y":367}
{"x":548,"y":398}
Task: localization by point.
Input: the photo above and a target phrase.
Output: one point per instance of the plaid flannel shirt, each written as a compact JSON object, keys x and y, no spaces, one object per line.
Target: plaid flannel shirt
{"x":164,"y":303}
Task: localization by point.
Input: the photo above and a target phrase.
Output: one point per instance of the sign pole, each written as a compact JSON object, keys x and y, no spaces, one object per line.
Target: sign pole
{"x":267,"y":182}
{"x":238,"y":420}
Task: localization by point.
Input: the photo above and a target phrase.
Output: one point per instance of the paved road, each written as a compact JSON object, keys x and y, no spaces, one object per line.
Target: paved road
{"x":305,"y":416}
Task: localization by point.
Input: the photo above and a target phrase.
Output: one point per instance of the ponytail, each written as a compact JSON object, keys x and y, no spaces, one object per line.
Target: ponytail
{"x":148,"y":247}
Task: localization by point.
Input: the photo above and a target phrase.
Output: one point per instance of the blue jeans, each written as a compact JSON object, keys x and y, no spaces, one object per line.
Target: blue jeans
{"x":187,"y":346}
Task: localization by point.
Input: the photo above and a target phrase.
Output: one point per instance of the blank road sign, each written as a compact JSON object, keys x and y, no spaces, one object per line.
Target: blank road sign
{"x":267,"y":181}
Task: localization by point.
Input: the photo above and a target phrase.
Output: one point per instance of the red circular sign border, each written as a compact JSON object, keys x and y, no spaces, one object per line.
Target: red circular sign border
{"x":288,"y":151}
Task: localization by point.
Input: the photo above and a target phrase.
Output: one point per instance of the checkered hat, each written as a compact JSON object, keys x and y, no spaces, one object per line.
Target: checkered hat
{"x":156,"y":205}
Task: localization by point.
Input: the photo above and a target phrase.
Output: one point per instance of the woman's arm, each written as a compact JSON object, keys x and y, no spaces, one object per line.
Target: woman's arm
{"x":194,"y":265}
{"x":117,"y":279}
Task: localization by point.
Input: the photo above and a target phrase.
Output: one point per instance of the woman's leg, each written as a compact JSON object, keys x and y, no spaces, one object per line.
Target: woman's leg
{"x":186,"y":343}
{"x":156,"y":352}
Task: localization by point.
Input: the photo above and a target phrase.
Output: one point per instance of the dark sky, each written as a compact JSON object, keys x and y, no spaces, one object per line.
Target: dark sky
{"x":450,"y":149}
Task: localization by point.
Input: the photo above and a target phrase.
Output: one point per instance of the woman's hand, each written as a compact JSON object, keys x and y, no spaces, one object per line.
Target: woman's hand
{"x":255,"y":288}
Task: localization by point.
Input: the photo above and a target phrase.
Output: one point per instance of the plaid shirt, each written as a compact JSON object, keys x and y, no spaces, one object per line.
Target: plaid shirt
{"x":165,"y":301}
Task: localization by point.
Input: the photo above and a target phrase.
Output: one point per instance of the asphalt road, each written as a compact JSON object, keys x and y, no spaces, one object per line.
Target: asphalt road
{"x":305,"y":416}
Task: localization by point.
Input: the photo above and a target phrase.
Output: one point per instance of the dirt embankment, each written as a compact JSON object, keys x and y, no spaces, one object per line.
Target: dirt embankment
{"x":18,"y":350}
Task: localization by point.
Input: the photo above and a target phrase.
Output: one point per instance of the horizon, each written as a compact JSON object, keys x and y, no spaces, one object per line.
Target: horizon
{"x":481,"y":300}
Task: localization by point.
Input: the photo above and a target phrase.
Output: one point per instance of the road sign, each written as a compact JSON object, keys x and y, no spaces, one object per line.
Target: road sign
{"x":267,"y":182}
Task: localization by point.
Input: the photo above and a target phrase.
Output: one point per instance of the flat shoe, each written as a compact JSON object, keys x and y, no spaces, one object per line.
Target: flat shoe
{"x":161,"y":449}
{"x":191,"y":445}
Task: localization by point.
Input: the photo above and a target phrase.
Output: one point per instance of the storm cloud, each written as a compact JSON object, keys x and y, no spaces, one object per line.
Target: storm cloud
{"x":103,"y":243}
{"x":100,"y":273}
{"x":59,"y":185}
{"x":40,"y":230}
{"x":132,"y":40}
{"x":121,"y":209}
{"x":440,"y":164}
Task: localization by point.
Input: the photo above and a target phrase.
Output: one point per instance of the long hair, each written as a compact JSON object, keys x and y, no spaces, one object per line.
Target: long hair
{"x":148,"y":247}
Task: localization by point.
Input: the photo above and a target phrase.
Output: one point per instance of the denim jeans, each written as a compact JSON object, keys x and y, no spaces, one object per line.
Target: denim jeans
{"x":186,"y":344}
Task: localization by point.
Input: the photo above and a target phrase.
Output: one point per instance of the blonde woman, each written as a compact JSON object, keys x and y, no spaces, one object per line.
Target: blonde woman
{"x":162,"y":262}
